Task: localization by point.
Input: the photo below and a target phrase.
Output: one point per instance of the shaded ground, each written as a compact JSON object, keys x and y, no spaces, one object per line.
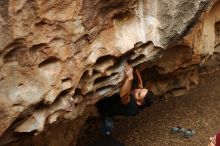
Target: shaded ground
{"x":198,"y":109}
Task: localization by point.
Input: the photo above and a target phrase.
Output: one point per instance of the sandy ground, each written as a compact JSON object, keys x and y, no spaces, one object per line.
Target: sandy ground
{"x":199,"y":109}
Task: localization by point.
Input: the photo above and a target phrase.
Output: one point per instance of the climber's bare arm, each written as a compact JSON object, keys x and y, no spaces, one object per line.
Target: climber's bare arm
{"x":126,"y":87}
{"x":140,"y":82}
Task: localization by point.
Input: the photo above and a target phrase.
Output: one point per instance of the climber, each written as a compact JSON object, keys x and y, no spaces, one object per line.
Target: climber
{"x":127,"y":103}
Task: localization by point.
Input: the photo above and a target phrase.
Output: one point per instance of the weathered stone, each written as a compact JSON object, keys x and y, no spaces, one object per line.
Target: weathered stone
{"x":59,"y":57}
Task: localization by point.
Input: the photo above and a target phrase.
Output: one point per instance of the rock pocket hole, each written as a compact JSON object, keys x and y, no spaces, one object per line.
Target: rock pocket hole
{"x":37,"y":47}
{"x":137,"y":60}
{"x":13,"y":48}
{"x":12,"y":55}
{"x":66,"y":83}
{"x":50,"y":67}
{"x":77,"y":97}
{"x":62,"y":94}
{"x":104,"y":59}
{"x":20,"y":84}
{"x":103,"y":79}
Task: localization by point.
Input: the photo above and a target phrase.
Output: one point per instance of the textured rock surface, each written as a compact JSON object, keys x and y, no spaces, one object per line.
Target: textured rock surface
{"x":57,"y":57}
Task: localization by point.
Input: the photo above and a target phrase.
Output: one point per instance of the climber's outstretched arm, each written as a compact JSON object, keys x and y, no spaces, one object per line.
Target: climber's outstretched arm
{"x":140,"y":82}
{"x":126,"y":87}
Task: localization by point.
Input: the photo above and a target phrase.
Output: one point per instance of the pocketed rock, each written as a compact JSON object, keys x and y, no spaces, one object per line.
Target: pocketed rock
{"x":59,"y":57}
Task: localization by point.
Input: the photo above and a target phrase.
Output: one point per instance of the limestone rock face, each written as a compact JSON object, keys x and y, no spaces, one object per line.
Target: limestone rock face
{"x":59,"y":57}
